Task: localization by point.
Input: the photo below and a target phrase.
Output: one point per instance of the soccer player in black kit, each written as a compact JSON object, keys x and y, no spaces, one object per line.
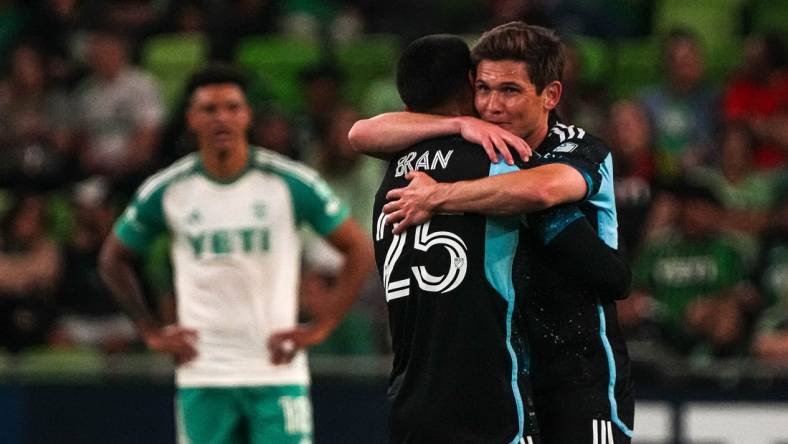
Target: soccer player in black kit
{"x":461,"y":368}
{"x":579,"y":363}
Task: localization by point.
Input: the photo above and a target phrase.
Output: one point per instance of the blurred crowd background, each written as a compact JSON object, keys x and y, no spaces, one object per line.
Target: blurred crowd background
{"x":692,"y":97}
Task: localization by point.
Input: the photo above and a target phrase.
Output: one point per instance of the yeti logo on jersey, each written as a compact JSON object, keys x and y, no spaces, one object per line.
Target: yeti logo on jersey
{"x":409,"y":162}
{"x":566,"y":147}
{"x":224,"y":242}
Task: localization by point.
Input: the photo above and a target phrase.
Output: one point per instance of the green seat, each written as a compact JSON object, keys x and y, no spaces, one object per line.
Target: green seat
{"x":716,"y":22}
{"x":274,"y":63}
{"x":66,"y":365}
{"x":366,"y":59}
{"x":771,"y":16}
{"x":636,"y":63}
{"x":172,"y":58}
{"x":595,"y":58}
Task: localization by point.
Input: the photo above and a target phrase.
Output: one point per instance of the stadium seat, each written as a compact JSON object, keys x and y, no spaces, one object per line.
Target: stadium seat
{"x":50,"y":364}
{"x":716,"y":22}
{"x":770,"y":15}
{"x":274,"y":63}
{"x":172,"y":58}
{"x":595,"y":58}
{"x":363,"y":60}
{"x":636,"y":63}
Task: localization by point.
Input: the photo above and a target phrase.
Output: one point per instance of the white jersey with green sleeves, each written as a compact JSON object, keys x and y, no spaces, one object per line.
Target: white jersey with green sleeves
{"x":236,"y":257}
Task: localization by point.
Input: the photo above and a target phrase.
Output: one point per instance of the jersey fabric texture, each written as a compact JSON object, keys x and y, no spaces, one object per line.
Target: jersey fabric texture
{"x":459,"y":356}
{"x":236,"y":258}
{"x":580,"y":366}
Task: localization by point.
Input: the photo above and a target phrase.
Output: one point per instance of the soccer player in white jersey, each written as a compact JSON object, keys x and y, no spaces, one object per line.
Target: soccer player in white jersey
{"x":233,"y":212}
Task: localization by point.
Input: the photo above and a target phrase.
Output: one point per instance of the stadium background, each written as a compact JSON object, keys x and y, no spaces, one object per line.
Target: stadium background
{"x":684,"y":134}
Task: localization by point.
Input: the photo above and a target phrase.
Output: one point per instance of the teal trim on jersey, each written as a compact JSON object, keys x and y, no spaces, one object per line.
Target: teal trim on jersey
{"x":611,"y":367}
{"x":143,"y":220}
{"x":500,"y":241}
{"x":605,"y":202}
{"x":312,"y":198}
{"x":554,"y":221}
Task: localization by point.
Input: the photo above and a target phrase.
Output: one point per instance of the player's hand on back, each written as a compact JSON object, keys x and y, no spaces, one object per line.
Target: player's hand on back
{"x":174,"y":340}
{"x":414,"y":204}
{"x":493,"y":139}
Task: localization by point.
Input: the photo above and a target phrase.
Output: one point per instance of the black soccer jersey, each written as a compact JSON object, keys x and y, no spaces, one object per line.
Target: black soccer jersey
{"x":580,"y":366}
{"x":459,"y":353}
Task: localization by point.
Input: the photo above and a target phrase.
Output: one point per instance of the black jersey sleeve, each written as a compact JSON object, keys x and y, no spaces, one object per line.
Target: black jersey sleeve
{"x":583,"y":152}
{"x":571,"y":244}
{"x":579,"y":249}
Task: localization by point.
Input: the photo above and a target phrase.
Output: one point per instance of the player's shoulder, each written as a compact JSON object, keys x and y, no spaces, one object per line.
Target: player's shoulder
{"x":567,"y":138}
{"x":167,"y":176}
{"x":271,"y":162}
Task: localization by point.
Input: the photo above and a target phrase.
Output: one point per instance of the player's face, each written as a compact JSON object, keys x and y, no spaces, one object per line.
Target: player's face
{"x":505,"y":95}
{"x":219,"y":116}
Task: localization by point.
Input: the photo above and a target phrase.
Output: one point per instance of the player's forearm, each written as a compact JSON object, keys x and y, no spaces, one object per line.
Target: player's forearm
{"x":118,"y":273}
{"x":358,"y":263}
{"x":391,"y":132}
{"x":519,"y":192}
{"x":588,"y":260}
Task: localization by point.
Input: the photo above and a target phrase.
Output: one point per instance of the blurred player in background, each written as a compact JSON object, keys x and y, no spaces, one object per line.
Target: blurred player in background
{"x":580,"y":365}
{"x":233,"y":212}
{"x":461,"y":325}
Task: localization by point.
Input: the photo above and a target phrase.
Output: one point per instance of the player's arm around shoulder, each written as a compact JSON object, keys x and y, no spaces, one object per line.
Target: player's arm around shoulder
{"x":385,"y":134}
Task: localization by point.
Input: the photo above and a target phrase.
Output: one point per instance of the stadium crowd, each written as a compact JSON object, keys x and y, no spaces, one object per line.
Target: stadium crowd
{"x":695,"y":110}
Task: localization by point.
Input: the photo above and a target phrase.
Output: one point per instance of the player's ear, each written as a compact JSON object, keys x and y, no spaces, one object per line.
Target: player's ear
{"x":551,"y":94}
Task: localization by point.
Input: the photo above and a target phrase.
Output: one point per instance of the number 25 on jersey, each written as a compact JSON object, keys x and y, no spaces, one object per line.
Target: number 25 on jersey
{"x":423,"y":240}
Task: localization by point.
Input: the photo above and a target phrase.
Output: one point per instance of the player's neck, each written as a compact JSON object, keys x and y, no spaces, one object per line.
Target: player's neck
{"x":536,"y":137}
{"x":225,"y":163}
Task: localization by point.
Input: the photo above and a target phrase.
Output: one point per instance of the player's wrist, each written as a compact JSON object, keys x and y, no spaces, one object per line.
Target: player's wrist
{"x":438,"y":197}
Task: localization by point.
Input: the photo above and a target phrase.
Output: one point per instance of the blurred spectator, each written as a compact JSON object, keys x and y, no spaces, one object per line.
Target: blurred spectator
{"x":226,"y":22}
{"x":357,"y":333}
{"x":322,"y":86}
{"x":88,"y":315}
{"x":137,"y":18}
{"x":273,"y":130}
{"x":12,"y":20}
{"x":632,"y":142}
{"x":119,"y":112}
{"x":682,"y":107}
{"x":771,"y":340}
{"x":758,"y":96}
{"x":345,"y":170}
{"x":56,"y":24}
{"x":693,"y":284}
{"x":583,"y":103}
{"x":29,"y":267}
{"x":34,"y":140}
{"x":747,"y":194}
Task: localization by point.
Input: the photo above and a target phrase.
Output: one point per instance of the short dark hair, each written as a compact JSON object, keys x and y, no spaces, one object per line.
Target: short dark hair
{"x":214,"y":74}
{"x":432,"y":70}
{"x":540,"y":48}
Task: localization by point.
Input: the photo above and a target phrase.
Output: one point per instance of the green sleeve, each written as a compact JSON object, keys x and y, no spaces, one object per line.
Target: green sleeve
{"x":316,"y":204}
{"x":142,"y":221}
